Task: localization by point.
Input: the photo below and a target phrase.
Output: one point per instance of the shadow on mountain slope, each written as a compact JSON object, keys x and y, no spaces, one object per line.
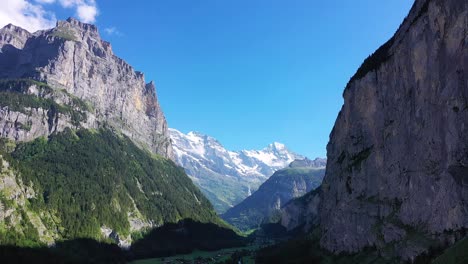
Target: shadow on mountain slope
{"x":171,"y":239}
{"x":184,"y":237}
{"x":72,"y":251}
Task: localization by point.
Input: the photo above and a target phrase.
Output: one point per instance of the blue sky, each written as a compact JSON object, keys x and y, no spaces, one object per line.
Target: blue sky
{"x":247,"y":72}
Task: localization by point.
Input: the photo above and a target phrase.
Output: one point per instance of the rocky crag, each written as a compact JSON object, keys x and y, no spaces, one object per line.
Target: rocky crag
{"x":397,"y":171}
{"x":90,"y":87}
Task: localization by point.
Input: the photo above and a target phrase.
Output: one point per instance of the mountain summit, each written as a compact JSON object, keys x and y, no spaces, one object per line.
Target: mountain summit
{"x":227,"y":177}
{"x":82,"y":72}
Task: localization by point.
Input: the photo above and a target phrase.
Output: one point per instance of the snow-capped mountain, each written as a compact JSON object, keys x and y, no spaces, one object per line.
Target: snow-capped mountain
{"x":227,"y":177}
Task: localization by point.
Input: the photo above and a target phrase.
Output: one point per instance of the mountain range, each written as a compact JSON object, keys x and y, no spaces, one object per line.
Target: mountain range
{"x":87,"y":161}
{"x":228,"y":177}
{"x":264,"y":205}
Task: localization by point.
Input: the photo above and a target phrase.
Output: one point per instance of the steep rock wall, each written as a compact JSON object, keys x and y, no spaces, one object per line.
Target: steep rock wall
{"x":398,"y":153}
{"x":73,"y":58}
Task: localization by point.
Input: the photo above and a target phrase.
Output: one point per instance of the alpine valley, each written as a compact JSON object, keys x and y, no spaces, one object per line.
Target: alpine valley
{"x":91,"y":173}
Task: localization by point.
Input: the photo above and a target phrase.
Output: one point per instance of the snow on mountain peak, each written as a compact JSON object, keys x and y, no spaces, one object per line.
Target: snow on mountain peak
{"x":206,"y":160}
{"x":278,"y":146}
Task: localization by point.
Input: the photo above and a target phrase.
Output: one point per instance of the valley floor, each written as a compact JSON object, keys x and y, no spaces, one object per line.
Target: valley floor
{"x":229,"y":255}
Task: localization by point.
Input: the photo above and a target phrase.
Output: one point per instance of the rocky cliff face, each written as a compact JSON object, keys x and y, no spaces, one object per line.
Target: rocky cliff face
{"x":264,"y":205}
{"x":398,"y":153}
{"x":302,"y":212}
{"x":228,"y":177}
{"x":77,"y":70}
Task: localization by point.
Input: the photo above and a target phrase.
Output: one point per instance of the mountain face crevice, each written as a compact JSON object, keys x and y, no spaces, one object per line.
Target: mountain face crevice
{"x":75,"y":62}
{"x":398,"y":153}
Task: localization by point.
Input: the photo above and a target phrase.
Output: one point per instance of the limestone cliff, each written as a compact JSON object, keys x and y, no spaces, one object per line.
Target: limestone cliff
{"x":76,"y":72}
{"x":397,"y":171}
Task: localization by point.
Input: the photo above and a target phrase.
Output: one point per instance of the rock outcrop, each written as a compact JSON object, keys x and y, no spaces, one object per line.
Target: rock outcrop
{"x":80,"y":72}
{"x":302,"y":212}
{"x":398,"y":153}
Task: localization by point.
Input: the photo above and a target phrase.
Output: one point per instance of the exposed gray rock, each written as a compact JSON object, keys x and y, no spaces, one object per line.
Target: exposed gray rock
{"x":316,"y":163}
{"x":301,"y":212}
{"x":14,"y":36}
{"x":72,"y":58}
{"x":392,"y":233}
{"x":398,"y":152}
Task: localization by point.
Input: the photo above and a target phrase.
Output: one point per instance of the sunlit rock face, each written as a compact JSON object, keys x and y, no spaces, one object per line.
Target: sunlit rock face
{"x":76,"y":63}
{"x":398,"y":153}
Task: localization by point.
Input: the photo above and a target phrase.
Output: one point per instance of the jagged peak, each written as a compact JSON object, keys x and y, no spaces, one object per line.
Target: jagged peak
{"x":75,"y":23}
{"x":306,"y":162}
{"x":198,"y":134}
{"x":276,"y":146}
{"x":150,"y":88}
{"x":10,"y":27}
{"x":195,"y":135}
{"x":14,"y":35}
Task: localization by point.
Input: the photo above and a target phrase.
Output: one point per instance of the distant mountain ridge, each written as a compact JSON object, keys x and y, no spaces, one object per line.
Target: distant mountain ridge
{"x":264,"y":205}
{"x":227,"y":177}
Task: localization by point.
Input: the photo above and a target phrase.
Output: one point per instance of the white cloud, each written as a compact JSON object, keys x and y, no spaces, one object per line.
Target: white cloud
{"x":45,"y":1}
{"x":32,"y":15}
{"x":87,"y":13}
{"x":29,"y":16}
{"x":113,"y":31}
{"x":86,"y":10}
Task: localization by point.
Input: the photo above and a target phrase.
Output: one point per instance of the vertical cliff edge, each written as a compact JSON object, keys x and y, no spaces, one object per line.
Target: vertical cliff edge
{"x":90,"y":87}
{"x":397,"y":171}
